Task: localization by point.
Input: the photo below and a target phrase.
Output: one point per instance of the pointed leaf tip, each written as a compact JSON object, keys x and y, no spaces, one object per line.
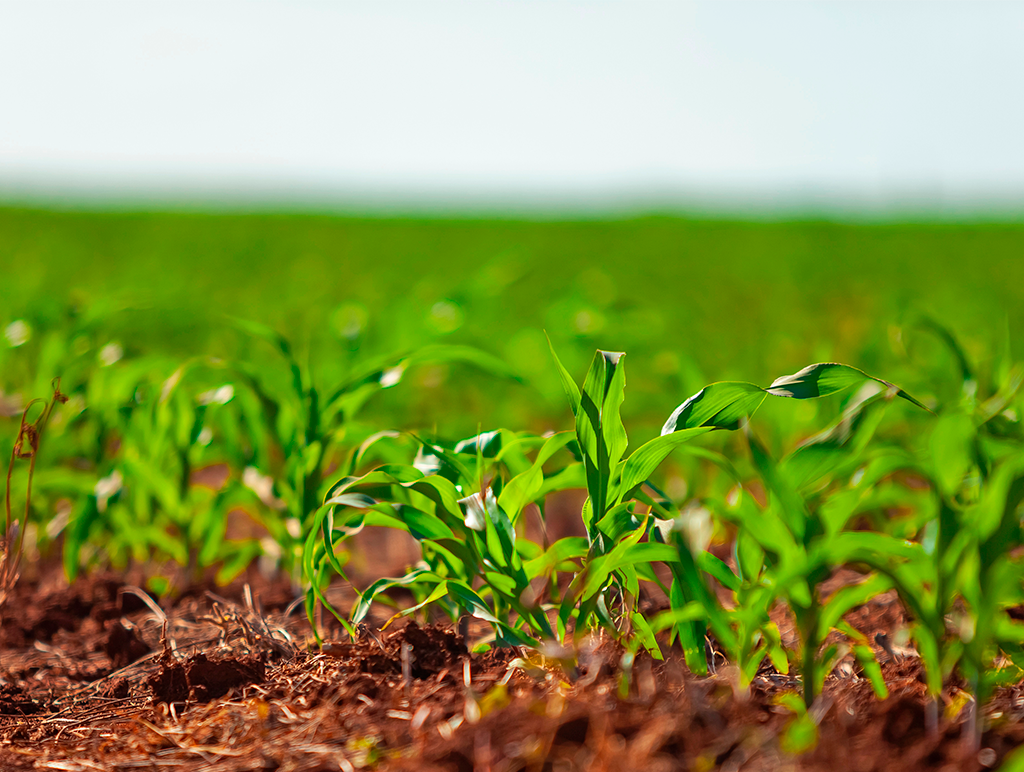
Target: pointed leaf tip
{"x":572,"y":391}
{"x":825,"y":378}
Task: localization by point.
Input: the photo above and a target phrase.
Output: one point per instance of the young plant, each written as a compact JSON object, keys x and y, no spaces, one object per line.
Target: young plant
{"x":786,"y":548}
{"x":472,"y":552}
{"x":147,"y":505}
{"x":308,"y":424}
{"x":620,"y":545}
{"x":965,"y":566}
{"x":968,"y":554}
{"x":465,"y":517}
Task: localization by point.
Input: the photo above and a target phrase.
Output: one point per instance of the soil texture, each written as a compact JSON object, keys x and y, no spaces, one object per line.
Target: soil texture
{"x":102,"y":676}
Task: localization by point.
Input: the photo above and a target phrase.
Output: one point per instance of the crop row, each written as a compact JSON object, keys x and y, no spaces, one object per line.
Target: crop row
{"x":116,"y":469}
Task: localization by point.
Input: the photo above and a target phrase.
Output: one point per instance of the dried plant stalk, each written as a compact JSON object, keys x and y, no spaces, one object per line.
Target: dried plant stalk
{"x":26,"y":446}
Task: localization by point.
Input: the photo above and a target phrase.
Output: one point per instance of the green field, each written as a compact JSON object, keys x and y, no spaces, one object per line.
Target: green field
{"x":320,"y":374}
{"x":691,"y":301}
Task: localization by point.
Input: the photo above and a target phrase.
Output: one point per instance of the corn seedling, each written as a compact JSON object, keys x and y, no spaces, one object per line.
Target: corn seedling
{"x":147,"y":505}
{"x":309,"y":424}
{"x":967,"y":549}
{"x":784,"y":549}
{"x":472,"y":552}
{"x":465,"y":517}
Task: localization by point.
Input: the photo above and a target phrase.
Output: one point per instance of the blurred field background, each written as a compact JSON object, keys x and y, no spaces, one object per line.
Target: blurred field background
{"x":691,"y":300}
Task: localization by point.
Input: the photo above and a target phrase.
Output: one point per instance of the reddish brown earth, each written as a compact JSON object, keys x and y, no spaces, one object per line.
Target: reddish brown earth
{"x":94,"y":678}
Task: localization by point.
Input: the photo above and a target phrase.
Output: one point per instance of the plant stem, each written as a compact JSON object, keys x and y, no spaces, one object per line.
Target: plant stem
{"x":809,"y":623}
{"x":931,"y":716}
{"x":30,"y":433}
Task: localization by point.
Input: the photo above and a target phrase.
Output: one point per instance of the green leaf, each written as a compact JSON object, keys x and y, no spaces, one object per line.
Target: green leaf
{"x":567,"y":548}
{"x":688,"y":585}
{"x":618,"y":522}
{"x":827,"y":378}
{"x":77,"y":533}
{"x":949,"y":339}
{"x":750,"y":665}
{"x":867,"y":547}
{"x":996,"y":520}
{"x":837,"y":450}
{"x":70,"y":482}
{"x":422,"y":525}
{"x":278,"y":341}
{"x":572,"y":391}
{"x":800,"y":735}
{"x":318,"y":548}
{"x":872,"y":671}
{"x":435,"y":595}
{"x":952,"y":450}
{"x":776,"y":651}
{"x":468,"y":599}
{"x":439,"y":353}
{"x":928,"y":649}
{"x":599,"y":569}
{"x":614,"y":393}
{"x":487,"y":443}
{"x":645,"y":636}
{"x":720,"y":406}
{"x":147,"y":475}
{"x":691,"y":612}
{"x":354,"y":500}
{"x":848,"y":598}
{"x":501,"y":582}
{"x":790,"y":506}
{"x":526,"y":487}
{"x":715,"y":567}
{"x":749,"y":555}
{"x":599,"y":428}
{"x":449,"y":465}
{"x":645,"y":459}
{"x":818,"y":380}
{"x":362,"y":607}
{"x":355,"y":390}
{"x":237,"y":562}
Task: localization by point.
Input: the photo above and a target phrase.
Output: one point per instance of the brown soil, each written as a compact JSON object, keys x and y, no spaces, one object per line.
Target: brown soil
{"x":93,"y":677}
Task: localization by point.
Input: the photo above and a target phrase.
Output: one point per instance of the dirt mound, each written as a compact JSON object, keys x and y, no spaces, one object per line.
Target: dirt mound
{"x":200,"y":678}
{"x":432,"y":649}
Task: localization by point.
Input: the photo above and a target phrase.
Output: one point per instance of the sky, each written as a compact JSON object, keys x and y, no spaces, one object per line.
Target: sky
{"x":546,"y":103}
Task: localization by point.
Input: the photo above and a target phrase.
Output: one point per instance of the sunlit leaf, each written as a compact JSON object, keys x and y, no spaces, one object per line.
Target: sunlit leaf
{"x":718,"y":406}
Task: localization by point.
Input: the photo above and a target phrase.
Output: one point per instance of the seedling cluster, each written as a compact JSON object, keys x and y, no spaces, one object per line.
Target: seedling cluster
{"x":149,"y":461}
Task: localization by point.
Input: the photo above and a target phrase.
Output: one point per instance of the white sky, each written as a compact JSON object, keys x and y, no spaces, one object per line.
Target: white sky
{"x":521,"y":100}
